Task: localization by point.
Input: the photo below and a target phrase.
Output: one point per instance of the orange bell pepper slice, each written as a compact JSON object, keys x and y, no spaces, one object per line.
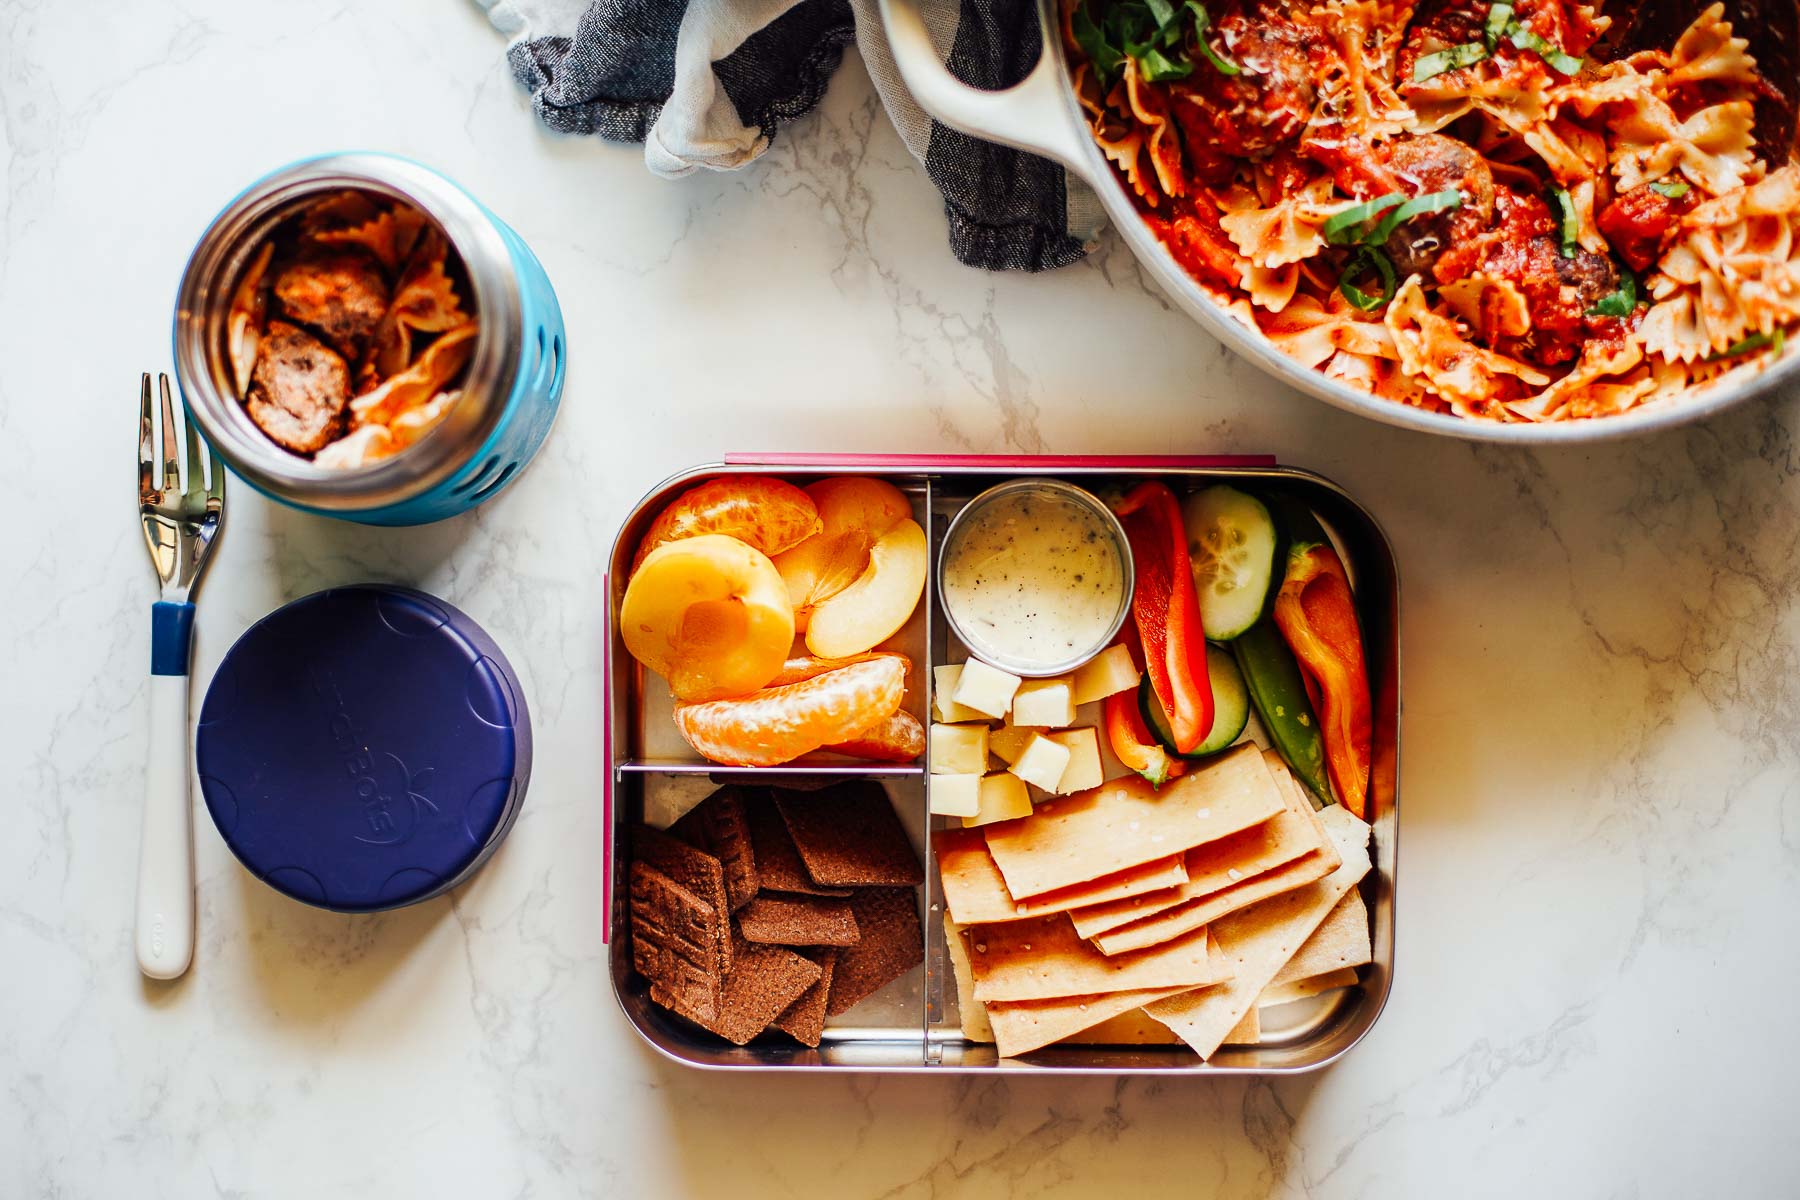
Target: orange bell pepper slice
{"x":1166,"y":610}
{"x":1316,"y":613}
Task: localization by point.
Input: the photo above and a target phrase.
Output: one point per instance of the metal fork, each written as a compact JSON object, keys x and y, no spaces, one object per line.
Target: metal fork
{"x":179,"y":529}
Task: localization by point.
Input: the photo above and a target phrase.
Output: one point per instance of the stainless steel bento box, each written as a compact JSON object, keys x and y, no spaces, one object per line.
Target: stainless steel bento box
{"x":912,"y":1025}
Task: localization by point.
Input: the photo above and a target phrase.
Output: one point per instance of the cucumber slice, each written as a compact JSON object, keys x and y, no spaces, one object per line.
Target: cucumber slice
{"x":1231,"y":546}
{"x":1231,"y":706}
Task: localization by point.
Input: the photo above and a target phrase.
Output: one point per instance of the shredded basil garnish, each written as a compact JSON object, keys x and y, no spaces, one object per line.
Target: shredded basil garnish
{"x":1202,"y":23}
{"x":1500,"y":24}
{"x":1674,"y":189}
{"x":1550,"y":52}
{"x":1358,"y":227}
{"x":1445,"y":61}
{"x":1418,"y":206}
{"x":1346,"y":228}
{"x":1753,"y":343}
{"x":1567,"y":219}
{"x":1365,"y":258}
{"x":1149,"y":32}
{"x":1621,"y":303}
{"x":1499,"y":20}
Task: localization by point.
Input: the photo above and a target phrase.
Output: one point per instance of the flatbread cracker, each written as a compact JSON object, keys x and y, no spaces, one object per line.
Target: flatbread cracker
{"x":1033,"y":1024}
{"x":971,"y":1013}
{"x":1261,"y":939}
{"x":1042,"y":958}
{"x":975,"y":892}
{"x":1135,"y":1028}
{"x":1341,"y":941}
{"x":1216,"y":866}
{"x":1305,"y":989}
{"x":1126,"y":823}
{"x":1248,"y":1031}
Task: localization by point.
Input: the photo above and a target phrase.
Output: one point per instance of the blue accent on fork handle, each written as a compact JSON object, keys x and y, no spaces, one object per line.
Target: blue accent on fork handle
{"x":171,"y":635}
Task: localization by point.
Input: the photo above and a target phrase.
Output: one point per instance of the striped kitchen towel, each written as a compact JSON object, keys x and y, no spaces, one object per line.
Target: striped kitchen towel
{"x":708,"y":83}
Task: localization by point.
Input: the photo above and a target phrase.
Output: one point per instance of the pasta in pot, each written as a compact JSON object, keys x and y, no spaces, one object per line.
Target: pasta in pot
{"x":1460,"y":205}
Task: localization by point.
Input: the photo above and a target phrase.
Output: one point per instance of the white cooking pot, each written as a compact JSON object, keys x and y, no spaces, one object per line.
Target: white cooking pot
{"x":1042,"y":115}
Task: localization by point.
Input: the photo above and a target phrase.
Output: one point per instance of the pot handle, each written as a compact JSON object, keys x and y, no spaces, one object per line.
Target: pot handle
{"x":1030,"y":116}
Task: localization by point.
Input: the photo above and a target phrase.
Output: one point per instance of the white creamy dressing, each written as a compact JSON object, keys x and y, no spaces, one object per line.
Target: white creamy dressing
{"x":1033,"y":579}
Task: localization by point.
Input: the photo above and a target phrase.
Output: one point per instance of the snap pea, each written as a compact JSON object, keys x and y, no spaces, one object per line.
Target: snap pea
{"x":1278,"y":694}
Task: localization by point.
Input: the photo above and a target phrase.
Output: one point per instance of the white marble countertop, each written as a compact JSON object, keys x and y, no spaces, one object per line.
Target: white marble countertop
{"x":1596,"y":964}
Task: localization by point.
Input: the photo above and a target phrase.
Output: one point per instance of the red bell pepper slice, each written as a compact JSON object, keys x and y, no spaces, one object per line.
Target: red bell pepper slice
{"x":1132,"y":743}
{"x":1167,"y":611}
{"x":1316,"y":613}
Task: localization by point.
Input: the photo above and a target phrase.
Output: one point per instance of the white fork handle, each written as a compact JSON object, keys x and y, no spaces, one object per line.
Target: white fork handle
{"x":165,"y":898}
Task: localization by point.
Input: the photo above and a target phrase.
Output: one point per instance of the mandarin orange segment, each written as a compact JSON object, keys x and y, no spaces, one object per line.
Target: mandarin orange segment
{"x":780,"y":724}
{"x":872,"y":610}
{"x":853,"y":512}
{"x":807,"y":666}
{"x":764,"y":513}
{"x":710,"y":615}
{"x":898,"y":738}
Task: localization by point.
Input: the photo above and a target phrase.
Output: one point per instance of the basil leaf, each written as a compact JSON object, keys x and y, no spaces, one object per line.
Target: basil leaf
{"x":1202,"y":23}
{"x":1562,"y":64}
{"x":1162,"y":12}
{"x":1418,"y":206}
{"x":1753,"y":343}
{"x":1094,"y":45}
{"x":1621,"y":303}
{"x":1453,"y":59}
{"x":1567,"y":219}
{"x":1346,"y":228}
{"x":1368,"y":257}
{"x":1499,"y":20}
{"x":1157,"y":68}
{"x":1674,"y":189}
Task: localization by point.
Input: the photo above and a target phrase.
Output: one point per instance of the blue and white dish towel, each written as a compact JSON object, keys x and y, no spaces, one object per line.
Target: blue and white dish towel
{"x":708,"y":83}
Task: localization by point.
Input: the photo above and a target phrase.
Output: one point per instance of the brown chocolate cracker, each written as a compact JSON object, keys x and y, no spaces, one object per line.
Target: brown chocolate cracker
{"x":797,"y":921}
{"x":763,"y":982}
{"x":718,"y":825}
{"x":804,"y":1019}
{"x":850,"y":836}
{"x":778,"y":865}
{"x":695,"y":870}
{"x":677,"y":942}
{"x":891,"y":943}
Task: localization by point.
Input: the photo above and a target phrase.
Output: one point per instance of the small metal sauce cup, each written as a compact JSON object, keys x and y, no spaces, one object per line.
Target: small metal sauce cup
{"x":1082,"y":498}
{"x":511,"y":386}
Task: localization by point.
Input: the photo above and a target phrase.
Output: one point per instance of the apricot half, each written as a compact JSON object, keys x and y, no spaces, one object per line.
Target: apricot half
{"x":872,"y":610}
{"x":709,"y":614}
{"x":853,"y":512}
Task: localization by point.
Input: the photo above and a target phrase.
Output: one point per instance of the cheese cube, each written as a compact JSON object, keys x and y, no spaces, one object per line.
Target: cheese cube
{"x":955,"y":795}
{"x":959,"y":749}
{"x":1008,"y":742}
{"x":1084,"y":770}
{"x":1043,"y":763}
{"x":1101,"y":676}
{"x":1002,"y":798}
{"x":1044,"y":704}
{"x":944,"y":680}
{"x":987,"y":690}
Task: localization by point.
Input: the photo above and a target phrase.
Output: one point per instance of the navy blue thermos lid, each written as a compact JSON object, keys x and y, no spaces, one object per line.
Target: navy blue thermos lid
{"x":364,"y":748}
